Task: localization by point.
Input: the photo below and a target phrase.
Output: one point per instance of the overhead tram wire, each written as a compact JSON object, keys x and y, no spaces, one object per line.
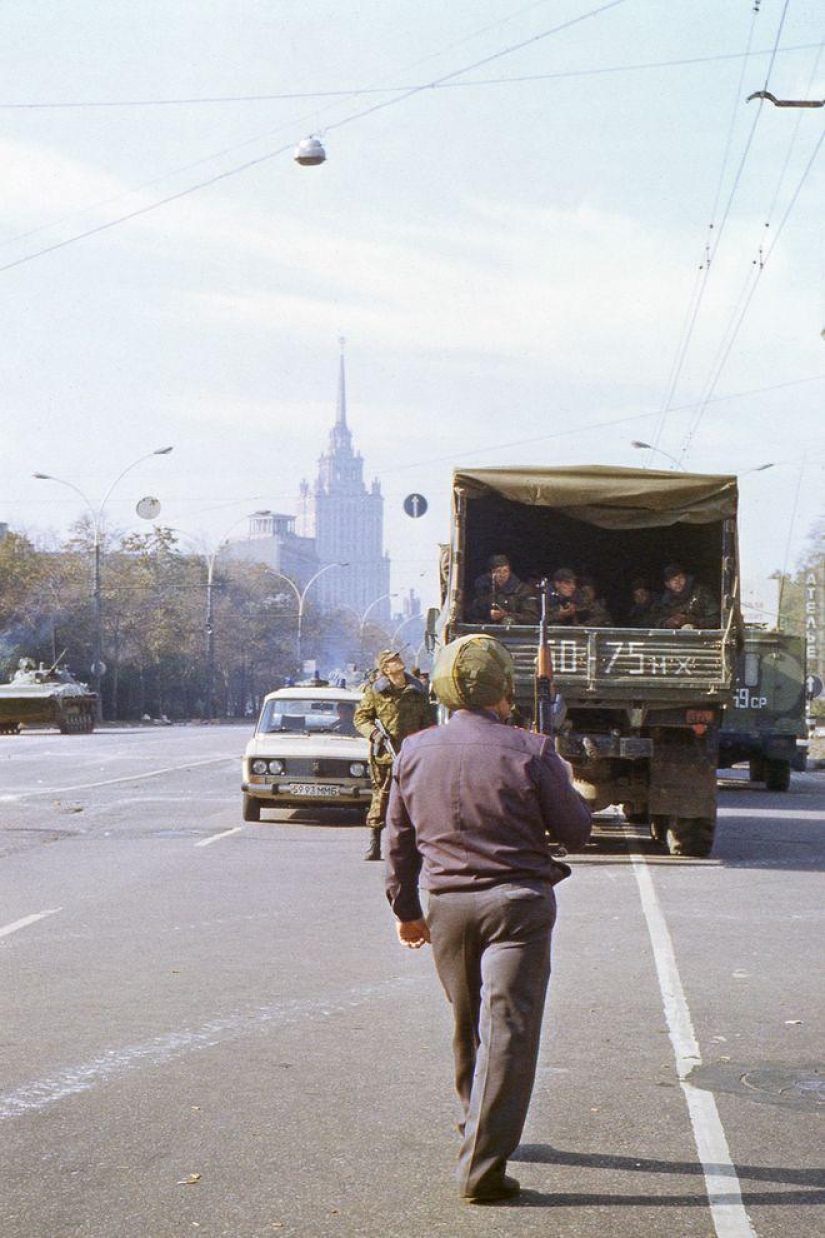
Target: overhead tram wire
{"x":335,"y":94}
{"x":347,"y":120}
{"x":358,"y":91}
{"x":753,"y":276}
{"x":700,"y":284}
{"x":736,"y":325}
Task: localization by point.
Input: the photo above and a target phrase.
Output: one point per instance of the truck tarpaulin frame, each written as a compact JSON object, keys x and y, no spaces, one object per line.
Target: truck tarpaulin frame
{"x":612,"y":498}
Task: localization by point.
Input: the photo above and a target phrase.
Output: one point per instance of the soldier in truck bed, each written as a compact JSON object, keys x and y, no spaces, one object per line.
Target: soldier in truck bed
{"x":500,"y":597}
{"x":592,"y":612}
{"x":685,"y":603}
{"x":564,"y":599}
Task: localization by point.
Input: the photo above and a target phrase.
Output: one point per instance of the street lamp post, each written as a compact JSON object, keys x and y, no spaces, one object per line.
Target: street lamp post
{"x":96,"y":514}
{"x":300,"y":595}
{"x":210,"y":558}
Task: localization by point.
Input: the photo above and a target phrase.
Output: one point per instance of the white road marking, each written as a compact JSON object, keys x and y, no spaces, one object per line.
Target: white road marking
{"x":721,"y":1179}
{"x":111,"y":782}
{"x":792,"y":814}
{"x":205,"y":842}
{"x":40,"y":1093}
{"x":27,"y":920}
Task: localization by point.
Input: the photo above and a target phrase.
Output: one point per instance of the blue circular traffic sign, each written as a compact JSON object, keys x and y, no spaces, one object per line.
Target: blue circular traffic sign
{"x":415,"y":505}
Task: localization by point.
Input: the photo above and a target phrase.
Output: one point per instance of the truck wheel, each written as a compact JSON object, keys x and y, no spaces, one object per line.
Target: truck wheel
{"x":777,"y":775}
{"x":251,"y":808}
{"x":658,"y":829}
{"x":690,"y":836}
{"x":756,"y":769}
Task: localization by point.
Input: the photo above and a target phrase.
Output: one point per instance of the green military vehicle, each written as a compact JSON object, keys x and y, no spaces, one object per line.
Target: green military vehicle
{"x":765,"y":725}
{"x":46,"y":696}
{"x":643,"y":705}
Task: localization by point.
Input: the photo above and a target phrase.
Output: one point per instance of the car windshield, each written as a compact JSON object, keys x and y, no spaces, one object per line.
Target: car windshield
{"x":308,"y":716}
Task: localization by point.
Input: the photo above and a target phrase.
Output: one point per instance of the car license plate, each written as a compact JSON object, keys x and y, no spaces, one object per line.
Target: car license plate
{"x":320,"y":789}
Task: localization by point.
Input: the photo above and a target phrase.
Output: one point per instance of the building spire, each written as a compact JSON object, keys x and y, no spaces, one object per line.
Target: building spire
{"x":341,"y":411}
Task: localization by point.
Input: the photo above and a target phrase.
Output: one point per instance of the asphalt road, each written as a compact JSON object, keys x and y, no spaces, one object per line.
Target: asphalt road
{"x":208,"y":1028}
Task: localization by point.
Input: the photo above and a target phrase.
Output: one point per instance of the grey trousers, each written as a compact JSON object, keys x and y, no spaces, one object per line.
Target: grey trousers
{"x":492,"y":953}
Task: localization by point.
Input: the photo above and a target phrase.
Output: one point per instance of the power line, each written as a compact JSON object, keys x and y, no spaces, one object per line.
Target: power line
{"x":251,"y":163}
{"x":711,"y":249}
{"x":736,"y":324}
{"x":356,"y":91}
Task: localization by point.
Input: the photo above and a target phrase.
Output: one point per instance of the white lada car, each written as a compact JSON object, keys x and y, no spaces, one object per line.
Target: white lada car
{"x":306,"y":751}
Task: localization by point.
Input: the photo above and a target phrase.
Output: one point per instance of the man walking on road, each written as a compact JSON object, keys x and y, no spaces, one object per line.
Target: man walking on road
{"x":470,"y":808}
{"x":395,"y":705}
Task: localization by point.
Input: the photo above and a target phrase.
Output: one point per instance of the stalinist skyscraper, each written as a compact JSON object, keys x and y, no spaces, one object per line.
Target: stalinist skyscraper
{"x":346,"y":520}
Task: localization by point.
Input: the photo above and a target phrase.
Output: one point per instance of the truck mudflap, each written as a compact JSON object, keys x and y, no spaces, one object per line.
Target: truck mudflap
{"x":683,"y":776}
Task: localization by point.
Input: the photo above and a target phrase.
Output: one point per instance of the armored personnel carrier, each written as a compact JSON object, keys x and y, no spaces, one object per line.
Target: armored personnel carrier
{"x":46,"y":696}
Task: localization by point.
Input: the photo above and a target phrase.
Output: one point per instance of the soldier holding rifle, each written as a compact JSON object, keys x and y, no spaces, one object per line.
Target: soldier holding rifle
{"x":470,"y":810}
{"x":393,"y":706}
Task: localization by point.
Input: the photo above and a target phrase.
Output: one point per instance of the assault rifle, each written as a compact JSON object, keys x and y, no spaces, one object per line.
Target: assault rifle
{"x":545,"y":690}
{"x":384,"y":740}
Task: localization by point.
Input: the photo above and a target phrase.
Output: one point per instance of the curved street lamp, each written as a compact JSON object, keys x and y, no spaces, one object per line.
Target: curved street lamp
{"x":649,"y":447}
{"x":301,"y":594}
{"x":96,"y":514}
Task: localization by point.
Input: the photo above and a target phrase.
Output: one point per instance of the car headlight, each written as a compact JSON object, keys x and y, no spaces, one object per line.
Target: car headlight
{"x":258,"y":767}
{"x":276,"y":767}
{"x":358,"y":769}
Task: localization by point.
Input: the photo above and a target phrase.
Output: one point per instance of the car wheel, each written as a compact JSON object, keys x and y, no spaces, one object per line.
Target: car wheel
{"x":251,"y":808}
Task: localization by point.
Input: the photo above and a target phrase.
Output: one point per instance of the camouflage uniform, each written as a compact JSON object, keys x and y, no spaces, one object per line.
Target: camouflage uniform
{"x":402,"y":711}
{"x":696,"y":603}
{"x":516,"y":599}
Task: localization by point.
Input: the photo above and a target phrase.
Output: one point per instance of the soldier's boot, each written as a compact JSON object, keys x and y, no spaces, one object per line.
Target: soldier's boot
{"x":373,"y":851}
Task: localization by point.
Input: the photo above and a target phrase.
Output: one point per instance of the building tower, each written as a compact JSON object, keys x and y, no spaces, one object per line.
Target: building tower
{"x":346,"y":519}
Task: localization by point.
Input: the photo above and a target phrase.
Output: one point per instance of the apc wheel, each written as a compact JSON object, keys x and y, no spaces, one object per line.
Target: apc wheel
{"x":756,"y":769}
{"x":251,"y":808}
{"x":777,"y":775}
{"x":691,"y":836}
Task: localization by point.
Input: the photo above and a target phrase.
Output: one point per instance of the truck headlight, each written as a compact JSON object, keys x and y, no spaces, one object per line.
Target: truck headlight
{"x":258,"y":767}
{"x":276,"y":767}
{"x":358,"y":769}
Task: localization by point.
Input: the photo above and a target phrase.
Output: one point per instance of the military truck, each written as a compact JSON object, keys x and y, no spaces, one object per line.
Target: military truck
{"x":643,"y":704}
{"x":46,"y":696}
{"x":765,"y":724}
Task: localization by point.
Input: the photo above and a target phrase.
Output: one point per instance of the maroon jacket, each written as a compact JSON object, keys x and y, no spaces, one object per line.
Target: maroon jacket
{"x":471,"y":805}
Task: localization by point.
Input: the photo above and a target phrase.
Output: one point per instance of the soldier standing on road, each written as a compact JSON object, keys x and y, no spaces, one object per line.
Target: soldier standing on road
{"x":471,"y":805}
{"x":685,"y":603}
{"x":399,"y":703}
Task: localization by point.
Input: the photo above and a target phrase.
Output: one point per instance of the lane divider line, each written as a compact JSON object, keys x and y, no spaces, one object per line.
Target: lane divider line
{"x":722,"y":1184}
{"x":206,"y":842}
{"x":16,"y":925}
{"x":157,"y":1052}
{"x":111,"y":782}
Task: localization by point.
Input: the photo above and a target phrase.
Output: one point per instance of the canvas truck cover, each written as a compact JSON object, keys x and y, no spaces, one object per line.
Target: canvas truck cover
{"x":612,"y":498}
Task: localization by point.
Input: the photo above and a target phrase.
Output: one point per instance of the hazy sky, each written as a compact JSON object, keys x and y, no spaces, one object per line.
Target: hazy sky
{"x":514,"y":263}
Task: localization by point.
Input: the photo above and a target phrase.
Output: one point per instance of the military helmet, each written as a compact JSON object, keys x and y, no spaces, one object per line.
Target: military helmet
{"x":473,"y":672}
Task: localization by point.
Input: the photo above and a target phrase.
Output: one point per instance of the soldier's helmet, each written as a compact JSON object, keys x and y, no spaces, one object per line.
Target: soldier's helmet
{"x":473,"y":672}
